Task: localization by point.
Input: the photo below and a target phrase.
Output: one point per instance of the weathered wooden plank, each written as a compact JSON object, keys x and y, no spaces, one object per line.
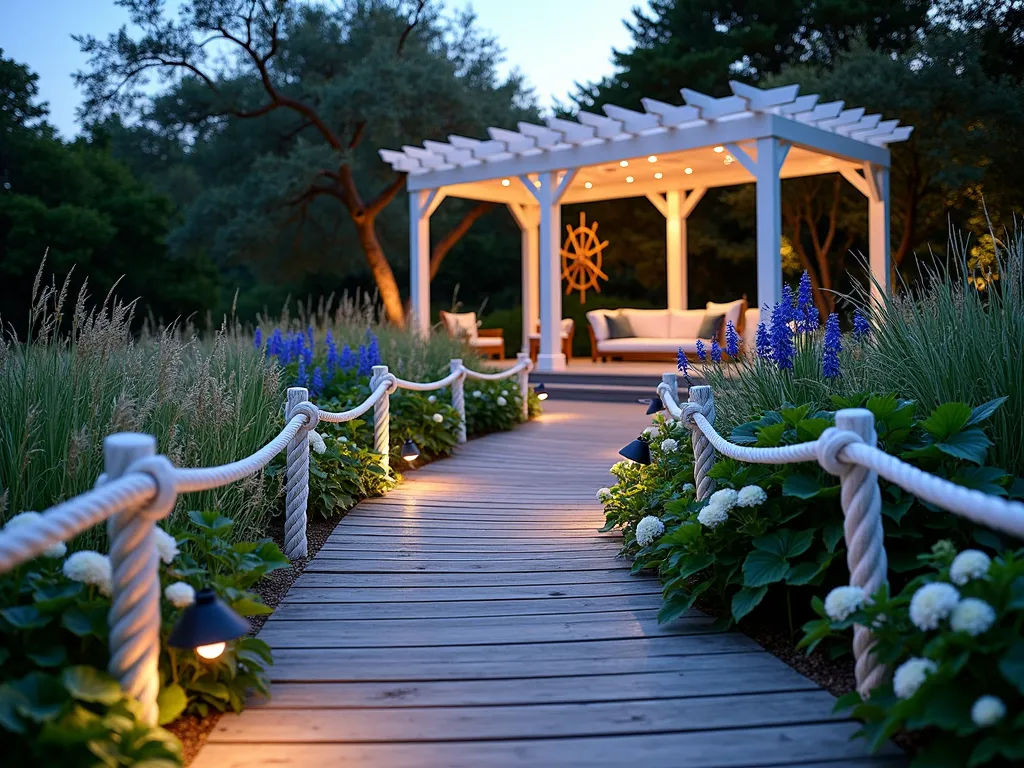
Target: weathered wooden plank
{"x":702,"y":676}
{"x":401,"y":594}
{"x":747,"y":747}
{"x":458,"y":579}
{"x":344,"y":565}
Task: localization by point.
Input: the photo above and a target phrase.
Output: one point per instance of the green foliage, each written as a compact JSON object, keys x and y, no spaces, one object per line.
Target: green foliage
{"x":344,"y":474}
{"x":969,"y":664}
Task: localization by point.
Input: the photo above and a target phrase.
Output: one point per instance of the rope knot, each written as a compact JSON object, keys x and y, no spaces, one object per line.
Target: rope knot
{"x":687,"y":412}
{"x":310,"y":411}
{"x":830,"y":444}
{"x":163,"y":473}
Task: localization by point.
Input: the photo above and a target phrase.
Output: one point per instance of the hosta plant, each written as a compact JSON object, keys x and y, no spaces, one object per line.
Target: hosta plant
{"x":954,"y":637}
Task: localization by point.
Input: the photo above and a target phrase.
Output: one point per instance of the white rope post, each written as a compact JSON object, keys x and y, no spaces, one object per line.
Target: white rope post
{"x":523,"y":359}
{"x":296,"y":481}
{"x":381,"y":417}
{"x":671,"y":381}
{"x":135,"y":584}
{"x":459,"y":397}
{"x":865,"y":546}
{"x":703,"y":451}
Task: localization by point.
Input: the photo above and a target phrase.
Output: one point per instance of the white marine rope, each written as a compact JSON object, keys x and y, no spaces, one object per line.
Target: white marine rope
{"x":507,"y":373}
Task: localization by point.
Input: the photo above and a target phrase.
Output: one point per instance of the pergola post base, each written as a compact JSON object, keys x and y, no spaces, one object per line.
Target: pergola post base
{"x":547,"y":363}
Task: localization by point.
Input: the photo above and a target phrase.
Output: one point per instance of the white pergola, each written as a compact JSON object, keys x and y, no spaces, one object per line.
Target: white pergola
{"x":670,"y":154}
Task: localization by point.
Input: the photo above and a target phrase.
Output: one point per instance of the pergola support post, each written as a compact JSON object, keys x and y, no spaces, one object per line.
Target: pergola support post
{"x":422,"y":203}
{"x":548,"y":194}
{"x":874,"y":185}
{"x":676,"y":206}
{"x":528,"y":219}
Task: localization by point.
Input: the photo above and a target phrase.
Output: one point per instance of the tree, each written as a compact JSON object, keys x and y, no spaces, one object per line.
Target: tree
{"x":74,"y":201}
{"x":327,"y":84}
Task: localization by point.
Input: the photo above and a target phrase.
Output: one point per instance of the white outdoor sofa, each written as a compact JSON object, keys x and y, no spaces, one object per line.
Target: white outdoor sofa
{"x":658,"y":334}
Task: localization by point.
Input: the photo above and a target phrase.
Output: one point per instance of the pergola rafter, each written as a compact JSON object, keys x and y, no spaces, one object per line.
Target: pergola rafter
{"x":668,"y":153}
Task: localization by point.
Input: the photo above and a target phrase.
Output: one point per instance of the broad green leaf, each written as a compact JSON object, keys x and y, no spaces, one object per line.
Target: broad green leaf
{"x":895,"y":510}
{"x":25,"y":617}
{"x":209,"y":687}
{"x":695,"y":563}
{"x":971,"y":445}
{"x":946,"y":420}
{"x":1016,"y":594}
{"x":811,"y":429}
{"x":803,"y":573}
{"x":56,"y":597}
{"x":43,"y":697}
{"x":172,"y":701}
{"x":985,"y":479}
{"x":675,"y":607}
{"x":801,"y":486}
{"x":945,"y":707}
{"x":793,"y":416}
{"x":1012,"y":665}
{"x":48,"y":656}
{"x":761,"y":568}
{"x":785,"y":542}
{"x":771,"y":436}
{"x":746,"y":600}
{"x":985,"y":410}
{"x":832,"y":534}
{"x":11,"y":700}
{"x":89,"y":684}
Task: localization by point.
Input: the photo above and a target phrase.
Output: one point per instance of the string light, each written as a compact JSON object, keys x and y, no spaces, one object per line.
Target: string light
{"x":687,"y":171}
{"x":624,"y":163}
{"x":589,"y":184}
{"x":719,"y":149}
{"x":505,"y":182}
{"x":629,"y":179}
{"x":658,"y":175}
{"x":652,"y":159}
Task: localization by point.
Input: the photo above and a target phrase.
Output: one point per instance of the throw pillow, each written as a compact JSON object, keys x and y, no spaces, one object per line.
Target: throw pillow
{"x":619,"y":327}
{"x":710,"y":326}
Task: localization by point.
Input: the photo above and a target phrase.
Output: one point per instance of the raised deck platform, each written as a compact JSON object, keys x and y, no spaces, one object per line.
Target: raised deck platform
{"x":475,"y":618}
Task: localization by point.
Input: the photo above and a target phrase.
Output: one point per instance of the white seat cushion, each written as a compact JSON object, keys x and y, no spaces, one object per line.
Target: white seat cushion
{"x":648,"y":323}
{"x":487,"y":341}
{"x":462,"y":325}
{"x":684,"y":323}
{"x":565,"y":335}
{"x":641,"y":344}
{"x":731,"y":311}
{"x":598,"y":319}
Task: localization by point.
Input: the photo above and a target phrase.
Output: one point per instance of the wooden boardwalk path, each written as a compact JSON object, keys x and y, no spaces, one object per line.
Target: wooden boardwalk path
{"x":475,"y":618}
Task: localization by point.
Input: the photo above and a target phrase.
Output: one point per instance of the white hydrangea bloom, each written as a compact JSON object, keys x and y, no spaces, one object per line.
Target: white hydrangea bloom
{"x":603,"y":494}
{"x":725,"y":498}
{"x":317,"y":443}
{"x":504,"y":392}
{"x":648,"y":529}
{"x":972,"y":616}
{"x":931,"y":604}
{"x":843,"y":602}
{"x":987,"y":711}
{"x":438,"y":418}
{"x":669,"y":445}
{"x":432,"y":399}
{"x":713,"y":515}
{"x":342,"y":439}
{"x":89,"y":567}
{"x":969,"y":564}
{"x":477,"y":393}
{"x":650,"y":431}
{"x":910,"y":675}
{"x":751,"y":496}
{"x":688,"y":488}
{"x":166,"y":545}
{"x":501,"y":400}
{"x":180,"y":594}
{"x":28,"y":518}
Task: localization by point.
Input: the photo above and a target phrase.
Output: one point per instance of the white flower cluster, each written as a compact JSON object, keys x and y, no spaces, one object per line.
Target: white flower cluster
{"x":316,"y":442}
{"x":501,"y":400}
{"x":987,"y":711}
{"x":437,"y":417}
{"x":650,"y":432}
{"x":969,"y":564}
{"x":166,"y":545}
{"x":89,"y":567}
{"x":931,"y":604}
{"x":669,"y":445}
{"x":972,"y":616}
{"x":843,"y":602}
{"x":432,"y":399}
{"x":27,"y":518}
{"x":751,"y":496}
{"x":477,"y":393}
{"x":688,"y":488}
{"x":603,"y":494}
{"x":717,"y":510}
{"x":180,"y":594}
{"x":910,"y":675}
{"x":648,"y":529}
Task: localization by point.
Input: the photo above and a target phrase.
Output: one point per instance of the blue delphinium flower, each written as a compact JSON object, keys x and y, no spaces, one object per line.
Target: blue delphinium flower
{"x":716,"y":351}
{"x":806,"y":312}
{"x":781,"y":338}
{"x":861,"y":326}
{"x":701,"y":354}
{"x":763,"y":342}
{"x":732,"y":340}
{"x":297,"y":345}
{"x":301,"y":378}
{"x":275,"y":343}
{"x":347,"y":360}
{"x":372,"y":349}
{"x":311,"y":337}
{"x":682,"y":364}
{"x":284,"y":350}
{"x":365,"y":366}
{"x":257,"y":338}
{"x":318,"y":381}
{"x":788,"y":310}
{"x":833,"y":346}
{"x":332,"y":354}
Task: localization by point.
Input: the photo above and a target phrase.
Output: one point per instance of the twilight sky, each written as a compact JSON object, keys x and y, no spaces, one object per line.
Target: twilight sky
{"x":554,"y":42}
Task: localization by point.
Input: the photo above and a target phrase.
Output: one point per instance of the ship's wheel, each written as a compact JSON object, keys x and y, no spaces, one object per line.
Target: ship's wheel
{"x":582,"y":258}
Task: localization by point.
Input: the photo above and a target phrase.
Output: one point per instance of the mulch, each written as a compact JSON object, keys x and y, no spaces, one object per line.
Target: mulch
{"x":193,"y":730}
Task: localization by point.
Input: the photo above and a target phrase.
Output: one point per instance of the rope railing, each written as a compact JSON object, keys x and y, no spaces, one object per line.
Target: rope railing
{"x":848,"y":451}
{"x":139,"y":488}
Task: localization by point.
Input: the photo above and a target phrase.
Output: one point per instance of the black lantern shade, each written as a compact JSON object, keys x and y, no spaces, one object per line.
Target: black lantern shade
{"x":209,"y":621}
{"x":410,"y":451}
{"x":638,"y":451}
{"x":655,"y":405}
{"x":540,"y":392}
